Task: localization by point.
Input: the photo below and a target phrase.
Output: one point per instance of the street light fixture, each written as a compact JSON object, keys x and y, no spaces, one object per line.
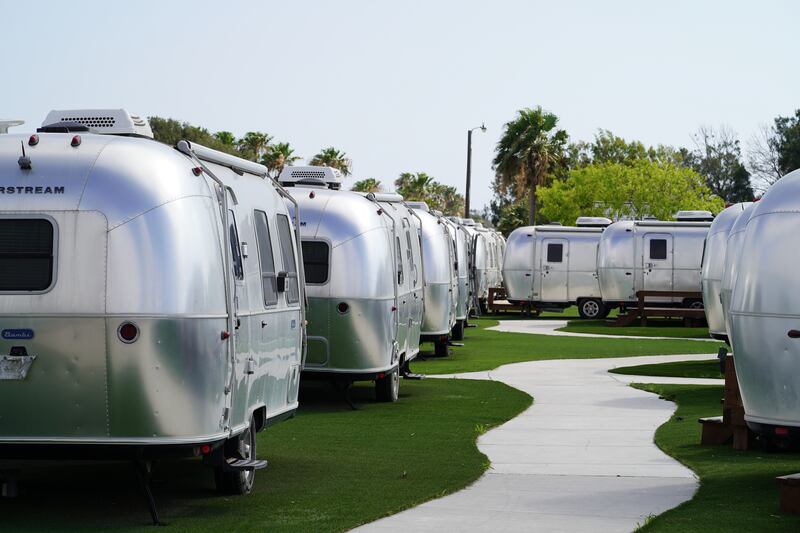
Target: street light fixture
{"x":482,"y":127}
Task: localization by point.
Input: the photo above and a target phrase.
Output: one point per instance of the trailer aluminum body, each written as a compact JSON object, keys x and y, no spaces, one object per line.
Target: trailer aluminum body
{"x":364,"y":280}
{"x":713,"y":267}
{"x":138,"y":313}
{"x":460,"y":240}
{"x":553,"y":267}
{"x":733,"y":251}
{"x":764,"y":315}
{"x":650,"y":255}
{"x":441,"y":278}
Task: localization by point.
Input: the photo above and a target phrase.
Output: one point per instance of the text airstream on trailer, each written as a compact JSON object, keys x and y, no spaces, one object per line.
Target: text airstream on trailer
{"x":764,"y":315}
{"x":714,"y":266}
{"x":733,"y":251}
{"x":441,"y":278}
{"x":363,"y":277}
{"x":150,"y":297}
{"x":651,"y":255}
{"x":553,"y":267}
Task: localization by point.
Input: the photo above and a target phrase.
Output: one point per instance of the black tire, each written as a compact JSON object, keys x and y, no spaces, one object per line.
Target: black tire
{"x":243,"y":446}
{"x":694,"y":304}
{"x":483,"y":307}
{"x":590,"y":308}
{"x":458,"y":331}
{"x":387,"y":388}
{"x":606,"y":310}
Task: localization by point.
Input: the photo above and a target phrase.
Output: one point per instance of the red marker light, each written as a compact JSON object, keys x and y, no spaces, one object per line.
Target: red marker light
{"x":781,"y":432}
{"x":205,"y":449}
{"x":34,"y":140}
{"x":76,"y":141}
{"x":225,"y":335}
{"x":197,"y":171}
{"x":311,"y":195}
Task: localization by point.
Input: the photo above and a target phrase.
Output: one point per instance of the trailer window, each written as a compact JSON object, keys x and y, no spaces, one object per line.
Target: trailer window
{"x":399,"y":261}
{"x":26,"y":254}
{"x":236,"y":252}
{"x":315,"y":261}
{"x":289,"y":262}
{"x":266,"y":259}
{"x":658,"y":249}
{"x":555,"y":253}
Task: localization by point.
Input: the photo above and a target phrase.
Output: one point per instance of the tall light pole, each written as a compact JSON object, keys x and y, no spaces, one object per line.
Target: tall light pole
{"x":482,"y":127}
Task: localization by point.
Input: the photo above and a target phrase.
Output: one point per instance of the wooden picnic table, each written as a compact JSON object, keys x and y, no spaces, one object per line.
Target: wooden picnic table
{"x":644,"y":309}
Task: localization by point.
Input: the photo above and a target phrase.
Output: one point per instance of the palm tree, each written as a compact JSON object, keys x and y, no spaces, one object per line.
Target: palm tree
{"x":331,"y":157}
{"x":446,"y":199}
{"x":529,"y":150}
{"x":415,"y":187}
{"x":254,"y":144}
{"x":225,"y":137}
{"x":367,"y":185}
{"x":277,"y":157}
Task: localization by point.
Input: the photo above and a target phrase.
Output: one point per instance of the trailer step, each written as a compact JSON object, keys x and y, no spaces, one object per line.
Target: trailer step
{"x":244,"y":464}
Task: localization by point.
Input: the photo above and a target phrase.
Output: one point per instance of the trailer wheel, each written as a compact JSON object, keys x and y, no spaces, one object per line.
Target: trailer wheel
{"x":590,"y":308}
{"x":606,"y":309}
{"x":387,"y":388}
{"x":458,"y":331}
{"x":693,"y":304}
{"x":243,"y":446}
{"x":441,"y":348}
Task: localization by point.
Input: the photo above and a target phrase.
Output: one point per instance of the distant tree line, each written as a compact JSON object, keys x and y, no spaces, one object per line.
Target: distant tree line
{"x":540,"y":176}
{"x":260,"y":147}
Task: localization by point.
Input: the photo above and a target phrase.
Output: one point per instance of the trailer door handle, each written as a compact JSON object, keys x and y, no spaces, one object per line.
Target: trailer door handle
{"x":794,"y":334}
{"x":263,"y":324}
{"x":627,"y":273}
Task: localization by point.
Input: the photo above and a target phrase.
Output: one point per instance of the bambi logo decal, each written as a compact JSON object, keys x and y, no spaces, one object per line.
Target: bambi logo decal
{"x":12,"y":334}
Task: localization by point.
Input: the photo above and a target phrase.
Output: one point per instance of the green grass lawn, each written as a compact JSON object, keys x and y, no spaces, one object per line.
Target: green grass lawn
{"x":737,"y":488}
{"x":486,"y":350}
{"x":330,"y":468}
{"x":677,"y":369}
{"x":655,"y":328}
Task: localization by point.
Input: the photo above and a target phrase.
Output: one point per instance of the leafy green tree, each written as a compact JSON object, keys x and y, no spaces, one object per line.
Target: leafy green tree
{"x":718,"y":159}
{"x":367,"y":185}
{"x":420,"y":187}
{"x":331,"y":157}
{"x":414,"y":186}
{"x":278,"y":156}
{"x":788,"y":139}
{"x":615,"y":190}
{"x":528,"y":152}
{"x":170,"y":131}
{"x":254,"y":145}
{"x":225,"y":137}
{"x":512,"y":216}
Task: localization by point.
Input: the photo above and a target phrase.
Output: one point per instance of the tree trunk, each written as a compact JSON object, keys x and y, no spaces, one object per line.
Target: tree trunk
{"x":532,"y":204}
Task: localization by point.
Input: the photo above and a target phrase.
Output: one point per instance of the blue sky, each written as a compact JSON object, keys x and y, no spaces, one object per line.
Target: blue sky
{"x":397,"y":84}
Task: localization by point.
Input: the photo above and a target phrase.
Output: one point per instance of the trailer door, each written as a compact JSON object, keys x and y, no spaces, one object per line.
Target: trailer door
{"x":657,"y":262}
{"x":555,"y":264}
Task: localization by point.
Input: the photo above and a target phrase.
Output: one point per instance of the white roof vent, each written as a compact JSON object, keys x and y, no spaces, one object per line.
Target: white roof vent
{"x":694,"y":216}
{"x":5,"y":124}
{"x":467,"y":222}
{"x":422,"y":206}
{"x":592,"y":222}
{"x":108,"y":121}
{"x":328,"y":176}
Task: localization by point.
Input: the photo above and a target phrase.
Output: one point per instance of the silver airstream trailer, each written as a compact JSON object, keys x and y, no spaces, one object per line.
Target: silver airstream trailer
{"x":441,"y":278}
{"x":650,"y":255}
{"x":150,"y":297}
{"x":480,"y":266}
{"x":713,"y":267}
{"x":764,"y":314}
{"x":363,"y":271}
{"x":460,"y":240}
{"x":733,"y":251}
{"x":553,"y":267}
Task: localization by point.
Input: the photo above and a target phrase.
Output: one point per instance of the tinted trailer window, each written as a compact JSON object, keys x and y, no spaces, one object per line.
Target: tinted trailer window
{"x":315,"y":261}
{"x":658,"y":249}
{"x":26,"y":254}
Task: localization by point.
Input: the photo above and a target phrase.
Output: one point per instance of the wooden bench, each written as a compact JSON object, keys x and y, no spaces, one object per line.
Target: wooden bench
{"x":789,"y":487}
{"x":642,"y":310}
{"x":498,"y":301}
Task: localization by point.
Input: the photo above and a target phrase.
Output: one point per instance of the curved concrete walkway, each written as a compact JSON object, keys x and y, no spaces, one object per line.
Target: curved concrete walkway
{"x":551,"y":327}
{"x":580,"y":459}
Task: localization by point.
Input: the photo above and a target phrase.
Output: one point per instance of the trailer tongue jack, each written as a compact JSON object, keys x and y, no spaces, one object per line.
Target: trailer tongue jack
{"x":143,"y":473}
